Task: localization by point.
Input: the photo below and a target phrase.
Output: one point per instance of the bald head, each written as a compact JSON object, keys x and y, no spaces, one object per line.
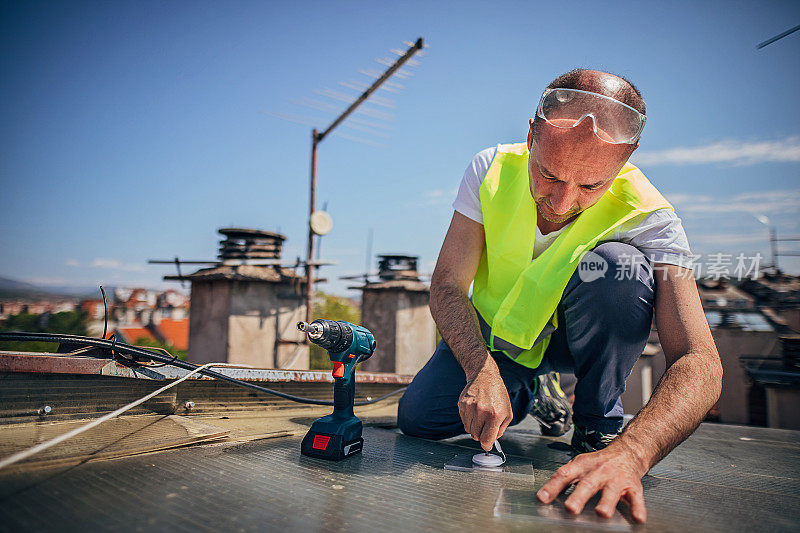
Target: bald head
{"x":603,"y":83}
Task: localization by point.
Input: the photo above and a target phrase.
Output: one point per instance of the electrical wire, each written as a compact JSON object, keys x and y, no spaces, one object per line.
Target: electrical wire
{"x":122,"y":348}
{"x":105,"y":311}
{"x":24,"y":454}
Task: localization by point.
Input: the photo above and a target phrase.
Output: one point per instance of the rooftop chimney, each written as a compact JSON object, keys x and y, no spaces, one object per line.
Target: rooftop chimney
{"x":244,"y":309}
{"x":395,"y":309}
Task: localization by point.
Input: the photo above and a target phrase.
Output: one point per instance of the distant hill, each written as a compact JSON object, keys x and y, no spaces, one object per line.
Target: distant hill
{"x":11,"y":288}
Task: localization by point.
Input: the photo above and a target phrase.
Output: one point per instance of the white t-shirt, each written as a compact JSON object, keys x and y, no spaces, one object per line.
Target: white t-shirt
{"x":658,"y":235}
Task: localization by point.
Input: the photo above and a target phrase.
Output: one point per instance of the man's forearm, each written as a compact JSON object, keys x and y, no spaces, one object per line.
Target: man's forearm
{"x":458,"y":323}
{"x":685,"y":394}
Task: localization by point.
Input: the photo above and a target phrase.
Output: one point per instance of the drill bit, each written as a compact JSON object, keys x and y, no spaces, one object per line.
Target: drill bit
{"x":313,"y":330}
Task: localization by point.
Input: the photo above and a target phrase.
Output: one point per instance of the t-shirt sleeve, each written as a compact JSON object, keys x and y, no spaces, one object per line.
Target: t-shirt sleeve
{"x":468,"y":201}
{"x":660,"y":236}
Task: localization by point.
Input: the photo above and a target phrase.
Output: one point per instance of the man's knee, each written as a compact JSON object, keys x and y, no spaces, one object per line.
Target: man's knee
{"x":615,"y":272}
{"x":415,"y":418}
{"x":613,"y":298}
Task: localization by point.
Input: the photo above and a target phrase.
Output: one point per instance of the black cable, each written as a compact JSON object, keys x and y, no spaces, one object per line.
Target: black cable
{"x":105,"y":312}
{"x":120,"y":347}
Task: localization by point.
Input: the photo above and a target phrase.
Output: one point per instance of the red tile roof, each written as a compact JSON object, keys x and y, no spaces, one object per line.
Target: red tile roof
{"x":175,"y":332}
{"x":131,"y":334}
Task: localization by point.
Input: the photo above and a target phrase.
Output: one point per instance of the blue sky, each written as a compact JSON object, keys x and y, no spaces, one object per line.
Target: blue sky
{"x":134,"y":130}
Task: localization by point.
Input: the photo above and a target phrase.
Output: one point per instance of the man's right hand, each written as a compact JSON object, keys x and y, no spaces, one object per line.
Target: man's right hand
{"x":484,"y":405}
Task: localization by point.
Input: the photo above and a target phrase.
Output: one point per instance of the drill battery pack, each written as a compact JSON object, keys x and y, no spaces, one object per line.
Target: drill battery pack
{"x":331,"y":447}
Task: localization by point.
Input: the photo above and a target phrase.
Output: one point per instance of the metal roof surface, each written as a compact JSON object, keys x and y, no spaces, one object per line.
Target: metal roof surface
{"x":723,"y":478}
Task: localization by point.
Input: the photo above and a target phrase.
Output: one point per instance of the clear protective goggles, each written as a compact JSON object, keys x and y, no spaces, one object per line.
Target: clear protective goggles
{"x":613,"y":122}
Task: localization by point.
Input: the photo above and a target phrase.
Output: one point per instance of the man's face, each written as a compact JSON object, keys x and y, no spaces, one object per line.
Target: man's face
{"x":570,"y":169}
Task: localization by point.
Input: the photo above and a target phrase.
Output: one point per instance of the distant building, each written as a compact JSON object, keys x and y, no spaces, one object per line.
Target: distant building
{"x":174,"y":332}
{"x":738,"y":326}
{"x":17,"y":306}
{"x":133,"y":334}
{"x":245,"y":308}
{"x":778,"y":295}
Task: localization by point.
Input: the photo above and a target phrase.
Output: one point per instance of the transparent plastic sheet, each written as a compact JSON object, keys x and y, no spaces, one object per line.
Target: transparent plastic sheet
{"x":514,"y":466}
{"x":524,"y":506}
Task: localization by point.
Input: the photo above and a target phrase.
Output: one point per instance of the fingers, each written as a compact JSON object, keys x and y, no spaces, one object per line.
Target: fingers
{"x":490,"y":432}
{"x":635,"y":498}
{"x":504,"y":426}
{"x":605,"y":471}
{"x":588,"y":487}
{"x":608,"y":502}
{"x":561,"y":479}
{"x":476,"y":428}
{"x":466,"y":417}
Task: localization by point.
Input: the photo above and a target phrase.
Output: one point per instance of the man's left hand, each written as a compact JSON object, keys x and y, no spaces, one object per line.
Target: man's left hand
{"x":614,"y":471}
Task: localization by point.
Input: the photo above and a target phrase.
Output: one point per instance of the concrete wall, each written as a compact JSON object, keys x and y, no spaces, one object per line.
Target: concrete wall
{"x":403,"y":327}
{"x":378,"y":314}
{"x":731,"y":343}
{"x":792,"y":317}
{"x":238,"y":322}
{"x":258,"y":316}
{"x":782,"y":411}
{"x":647,"y":371}
{"x":415,"y":335}
{"x":208,"y":322}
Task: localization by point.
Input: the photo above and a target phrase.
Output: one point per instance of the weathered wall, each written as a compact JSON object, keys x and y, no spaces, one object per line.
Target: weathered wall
{"x":208,"y":321}
{"x":782,"y":411}
{"x":403,"y":327}
{"x":237,"y":322}
{"x":415,"y":335}
{"x":378,"y":312}
{"x":731,"y":343}
{"x":257,"y":317}
{"x":792,"y":317}
{"x":634,"y":397}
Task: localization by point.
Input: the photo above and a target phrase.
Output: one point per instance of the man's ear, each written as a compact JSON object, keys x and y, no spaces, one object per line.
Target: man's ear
{"x":530,"y":133}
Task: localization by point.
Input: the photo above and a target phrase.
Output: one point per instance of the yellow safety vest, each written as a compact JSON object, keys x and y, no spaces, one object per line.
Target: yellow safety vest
{"x":515,"y":297}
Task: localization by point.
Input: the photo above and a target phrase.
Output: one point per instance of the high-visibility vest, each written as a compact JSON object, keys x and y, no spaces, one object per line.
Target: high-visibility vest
{"x":515,"y":297}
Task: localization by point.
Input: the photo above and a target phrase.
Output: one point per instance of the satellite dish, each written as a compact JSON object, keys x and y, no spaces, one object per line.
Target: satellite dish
{"x":321,"y":223}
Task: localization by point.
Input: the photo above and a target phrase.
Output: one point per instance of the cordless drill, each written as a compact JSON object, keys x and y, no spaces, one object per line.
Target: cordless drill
{"x":338,"y":435}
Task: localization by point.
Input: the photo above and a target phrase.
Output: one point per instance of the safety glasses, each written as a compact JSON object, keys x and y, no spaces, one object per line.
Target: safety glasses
{"x":613,"y":122}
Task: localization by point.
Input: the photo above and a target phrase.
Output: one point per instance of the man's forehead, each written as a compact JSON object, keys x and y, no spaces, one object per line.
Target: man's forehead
{"x":581,"y":174}
{"x":577,"y":156}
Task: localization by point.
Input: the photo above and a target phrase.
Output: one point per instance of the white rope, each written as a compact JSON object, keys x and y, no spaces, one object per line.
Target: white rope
{"x":24,"y":454}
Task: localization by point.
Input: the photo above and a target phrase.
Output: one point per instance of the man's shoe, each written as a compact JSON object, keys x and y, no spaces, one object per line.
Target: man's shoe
{"x":551,"y":406}
{"x":589,"y":440}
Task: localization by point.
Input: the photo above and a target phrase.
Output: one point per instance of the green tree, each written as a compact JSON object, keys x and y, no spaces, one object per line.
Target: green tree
{"x":330,"y":307}
{"x":69,"y":322}
{"x":152,"y":343}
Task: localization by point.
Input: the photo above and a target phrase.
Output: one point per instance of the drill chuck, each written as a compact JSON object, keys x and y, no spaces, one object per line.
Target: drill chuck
{"x":331,"y":335}
{"x":313,"y":330}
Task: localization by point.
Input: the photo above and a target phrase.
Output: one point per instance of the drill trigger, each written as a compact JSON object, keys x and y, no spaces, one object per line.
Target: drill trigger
{"x":338,"y":369}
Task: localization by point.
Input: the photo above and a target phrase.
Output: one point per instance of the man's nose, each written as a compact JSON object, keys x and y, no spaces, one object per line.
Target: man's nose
{"x":587,"y":123}
{"x":564,"y":200}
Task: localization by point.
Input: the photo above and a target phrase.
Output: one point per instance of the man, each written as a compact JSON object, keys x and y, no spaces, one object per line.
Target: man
{"x":571,"y":251}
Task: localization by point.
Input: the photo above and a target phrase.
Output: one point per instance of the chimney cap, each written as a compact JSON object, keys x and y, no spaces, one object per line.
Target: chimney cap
{"x":234,"y":233}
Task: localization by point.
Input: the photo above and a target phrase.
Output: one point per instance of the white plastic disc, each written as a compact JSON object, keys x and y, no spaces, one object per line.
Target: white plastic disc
{"x":321,"y":222}
{"x":482,"y":459}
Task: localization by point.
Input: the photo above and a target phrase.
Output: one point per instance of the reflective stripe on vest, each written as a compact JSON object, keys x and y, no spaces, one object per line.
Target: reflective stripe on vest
{"x":515,"y":297}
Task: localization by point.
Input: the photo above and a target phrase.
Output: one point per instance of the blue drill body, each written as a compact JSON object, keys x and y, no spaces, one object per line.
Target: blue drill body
{"x":338,"y":434}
